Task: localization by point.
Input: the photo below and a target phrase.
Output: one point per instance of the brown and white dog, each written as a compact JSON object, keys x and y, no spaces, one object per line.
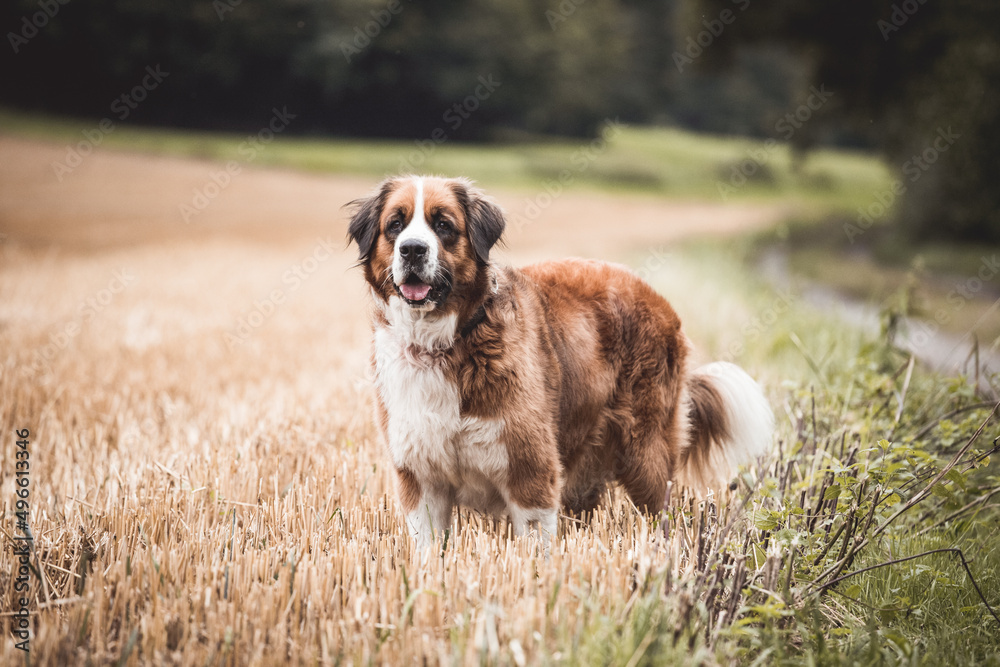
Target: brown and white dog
{"x":517,"y":391}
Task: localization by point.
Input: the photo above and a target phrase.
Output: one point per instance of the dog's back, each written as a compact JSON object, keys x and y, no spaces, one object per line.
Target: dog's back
{"x":629,"y":409}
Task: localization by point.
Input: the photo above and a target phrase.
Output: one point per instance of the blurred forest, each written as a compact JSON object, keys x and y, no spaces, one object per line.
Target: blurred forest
{"x":898,"y":71}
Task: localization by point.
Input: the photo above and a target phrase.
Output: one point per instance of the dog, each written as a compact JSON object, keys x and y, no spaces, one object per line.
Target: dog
{"x":522,"y":391}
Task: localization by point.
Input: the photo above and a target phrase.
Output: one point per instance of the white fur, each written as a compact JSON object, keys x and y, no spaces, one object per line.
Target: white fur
{"x":523,"y":521}
{"x":751,"y":426}
{"x":418,"y":327}
{"x":431,"y":518}
{"x":417,"y":229}
{"x":454,"y":458}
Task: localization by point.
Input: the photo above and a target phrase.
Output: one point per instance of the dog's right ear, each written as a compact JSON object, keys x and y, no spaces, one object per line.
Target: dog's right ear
{"x":364,"y":225}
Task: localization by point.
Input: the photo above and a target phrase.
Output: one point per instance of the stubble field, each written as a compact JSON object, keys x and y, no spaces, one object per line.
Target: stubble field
{"x":207,"y":487}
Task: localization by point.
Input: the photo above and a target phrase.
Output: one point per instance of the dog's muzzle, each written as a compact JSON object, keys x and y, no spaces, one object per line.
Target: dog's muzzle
{"x":416,"y":279}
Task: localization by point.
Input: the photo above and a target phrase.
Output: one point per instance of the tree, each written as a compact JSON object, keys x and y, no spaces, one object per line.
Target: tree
{"x":905,"y":72}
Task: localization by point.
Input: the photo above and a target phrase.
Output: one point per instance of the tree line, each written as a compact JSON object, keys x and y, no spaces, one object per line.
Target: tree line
{"x":403,"y":69}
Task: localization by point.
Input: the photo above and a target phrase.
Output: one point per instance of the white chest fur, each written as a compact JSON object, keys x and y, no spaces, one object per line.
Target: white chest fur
{"x":426,"y":431}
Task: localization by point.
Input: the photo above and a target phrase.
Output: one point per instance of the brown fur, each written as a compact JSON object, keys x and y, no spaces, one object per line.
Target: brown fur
{"x":396,"y":197}
{"x":408,"y":488}
{"x":709,"y":425}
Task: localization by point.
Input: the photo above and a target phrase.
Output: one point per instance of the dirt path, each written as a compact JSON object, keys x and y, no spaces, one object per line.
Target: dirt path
{"x":115,"y":198}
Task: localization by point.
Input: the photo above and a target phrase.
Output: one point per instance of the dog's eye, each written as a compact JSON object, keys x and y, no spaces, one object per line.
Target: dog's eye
{"x":394,"y":226}
{"x":441,"y":226}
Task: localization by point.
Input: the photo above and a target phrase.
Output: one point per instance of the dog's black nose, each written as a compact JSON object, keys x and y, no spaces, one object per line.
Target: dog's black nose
{"x":412,"y":249}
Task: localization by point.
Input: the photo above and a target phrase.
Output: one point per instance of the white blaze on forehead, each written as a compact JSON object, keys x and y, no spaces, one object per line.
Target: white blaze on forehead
{"x":419,"y":230}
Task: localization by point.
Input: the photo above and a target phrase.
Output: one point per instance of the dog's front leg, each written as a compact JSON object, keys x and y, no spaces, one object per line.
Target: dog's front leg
{"x":431,"y":516}
{"x":524,"y":521}
{"x":533,"y":483}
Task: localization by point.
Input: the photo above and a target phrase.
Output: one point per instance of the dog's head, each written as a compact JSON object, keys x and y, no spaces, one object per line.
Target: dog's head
{"x":427,"y":241}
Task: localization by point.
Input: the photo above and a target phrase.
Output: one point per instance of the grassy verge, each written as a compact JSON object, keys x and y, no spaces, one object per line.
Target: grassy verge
{"x":879,"y":462}
{"x":660,"y":162}
{"x":950,"y":284}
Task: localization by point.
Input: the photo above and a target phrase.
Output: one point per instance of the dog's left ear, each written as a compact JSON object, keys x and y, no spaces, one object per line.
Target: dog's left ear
{"x":484,"y":220}
{"x":364,"y":226}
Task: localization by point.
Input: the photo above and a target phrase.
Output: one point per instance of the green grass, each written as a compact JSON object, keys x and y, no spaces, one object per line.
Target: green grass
{"x":861,"y":436}
{"x":655,"y":161}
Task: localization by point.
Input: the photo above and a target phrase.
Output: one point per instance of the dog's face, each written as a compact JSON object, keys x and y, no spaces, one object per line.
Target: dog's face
{"x":426,"y":240}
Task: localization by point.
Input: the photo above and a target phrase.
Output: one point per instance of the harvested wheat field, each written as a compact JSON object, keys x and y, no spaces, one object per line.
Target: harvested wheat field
{"x":207,"y":487}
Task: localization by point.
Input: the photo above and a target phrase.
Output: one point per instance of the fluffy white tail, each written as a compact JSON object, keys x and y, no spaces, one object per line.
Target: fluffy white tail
{"x":730,"y":423}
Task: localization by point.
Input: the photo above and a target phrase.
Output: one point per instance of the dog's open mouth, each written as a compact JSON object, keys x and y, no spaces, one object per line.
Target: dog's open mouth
{"x":414,"y":290}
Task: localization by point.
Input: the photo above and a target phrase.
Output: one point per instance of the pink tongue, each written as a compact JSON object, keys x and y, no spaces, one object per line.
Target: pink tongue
{"x":415,"y":292}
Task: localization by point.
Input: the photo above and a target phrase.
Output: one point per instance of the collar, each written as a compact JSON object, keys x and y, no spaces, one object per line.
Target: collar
{"x":474,"y":321}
